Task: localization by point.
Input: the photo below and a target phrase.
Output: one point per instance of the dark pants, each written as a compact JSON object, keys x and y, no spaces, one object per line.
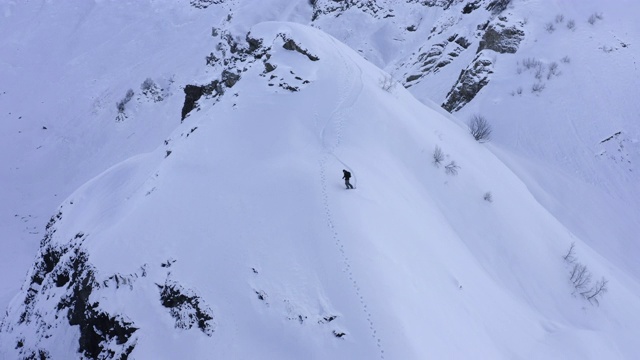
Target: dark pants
{"x":346,"y":182}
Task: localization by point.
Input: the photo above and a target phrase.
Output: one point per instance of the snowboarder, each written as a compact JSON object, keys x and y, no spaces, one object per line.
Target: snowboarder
{"x":346,"y":177}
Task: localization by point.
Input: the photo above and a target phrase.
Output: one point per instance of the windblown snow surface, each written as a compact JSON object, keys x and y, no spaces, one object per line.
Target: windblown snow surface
{"x":242,"y":208}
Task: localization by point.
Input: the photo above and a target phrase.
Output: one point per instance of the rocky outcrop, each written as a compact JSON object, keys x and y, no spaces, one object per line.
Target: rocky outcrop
{"x":59,"y":294}
{"x":289,"y":44}
{"x":203,"y":4}
{"x":336,"y":8}
{"x":469,"y":83}
{"x":501,"y":38}
{"x":438,"y":56}
{"x":186,"y":308}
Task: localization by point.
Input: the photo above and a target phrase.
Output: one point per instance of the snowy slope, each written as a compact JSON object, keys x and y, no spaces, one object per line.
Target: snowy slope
{"x":241,"y":211}
{"x":248,"y":215}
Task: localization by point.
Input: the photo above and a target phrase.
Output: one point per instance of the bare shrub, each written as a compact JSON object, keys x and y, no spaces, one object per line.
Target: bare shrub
{"x":559,"y":18}
{"x":488,"y":197}
{"x":607,"y":49}
{"x":549,"y":27}
{"x":595,"y":17}
{"x":438,"y":156}
{"x":479,"y":128}
{"x":531,"y":63}
{"x":597,"y":291}
{"x":571,"y":24}
{"x":566,"y":59}
{"x":452,"y":168}
{"x":388,"y":83}
{"x":553,"y":70}
{"x":537,"y":88}
{"x":539,"y":72}
{"x":147,"y":85}
{"x":519,"y":90}
{"x":120,"y":105}
{"x":580,"y":277}
{"x":570,"y":257}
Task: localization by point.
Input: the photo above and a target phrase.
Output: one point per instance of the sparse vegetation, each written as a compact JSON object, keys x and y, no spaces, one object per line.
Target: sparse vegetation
{"x":531,"y":63}
{"x":594,"y":18}
{"x":147,"y":85}
{"x":122,"y":103}
{"x":566,"y":59}
{"x":479,"y":128}
{"x":553,"y":70}
{"x":452,"y":168}
{"x":581,"y":279}
{"x":388,"y":83}
{"x":488,"y":197}
{"x":549,"y":27}
{"x":537,"y":88}
{"x":571,"y":24}
{"x":438,"y":156}
{"x":559,"y":18}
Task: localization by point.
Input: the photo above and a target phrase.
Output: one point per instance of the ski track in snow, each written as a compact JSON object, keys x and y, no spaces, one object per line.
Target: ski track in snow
{"x":348,"y":94}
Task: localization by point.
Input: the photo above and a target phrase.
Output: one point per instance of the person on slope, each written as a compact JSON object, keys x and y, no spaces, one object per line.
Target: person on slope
{"x":346,"y":177}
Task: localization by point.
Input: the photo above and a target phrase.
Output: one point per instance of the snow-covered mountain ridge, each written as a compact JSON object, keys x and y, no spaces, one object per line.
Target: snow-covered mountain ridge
{"x":228,"y":234}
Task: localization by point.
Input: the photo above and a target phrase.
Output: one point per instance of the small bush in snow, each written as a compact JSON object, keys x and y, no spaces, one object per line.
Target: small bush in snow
{"x":452,"y":168}
{"x":566,"y":59}
{"x":581,"y":279}
{"x":553,"y":70}
{"x":147,"y":85}
{"x":488,"y":197}
{"x":607,"y":49}
{"x":571,"y":24}
{"x":122,"y":103}
{"x":537,"y":88}
{"x":151,"y":90}
{"x":531,"y":63}
{"x":550,"y":27}
{"x":388,"y":83}
{"x":438,"y":156}
{"x":539,"y":72}
{"x":559,"y":18}
{"x":594,"y":17}
{"x":519,"y":90}
{"x":479,"y":128}
{"x":570,"y":257}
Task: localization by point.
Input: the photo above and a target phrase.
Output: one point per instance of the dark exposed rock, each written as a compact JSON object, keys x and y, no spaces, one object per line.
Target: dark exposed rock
{"x":438,"y":56}
{"x":289,"y":44}
{"x":462,"y":41}
{"x":470,"y":6}
{"x":469,"y":83}
{"x":192,"y":94}
{"x":187,"y":308}
{"x":268,"y":67}
{"x":501,"y":39}
{"x":498,"y":6}
{"x":40,"y":354}
{"x":371,"y":7}
{"x":63,"y":272}
{"x":203,"y":4}
{"x":445,"y":4}
{"x":229,"y":78}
